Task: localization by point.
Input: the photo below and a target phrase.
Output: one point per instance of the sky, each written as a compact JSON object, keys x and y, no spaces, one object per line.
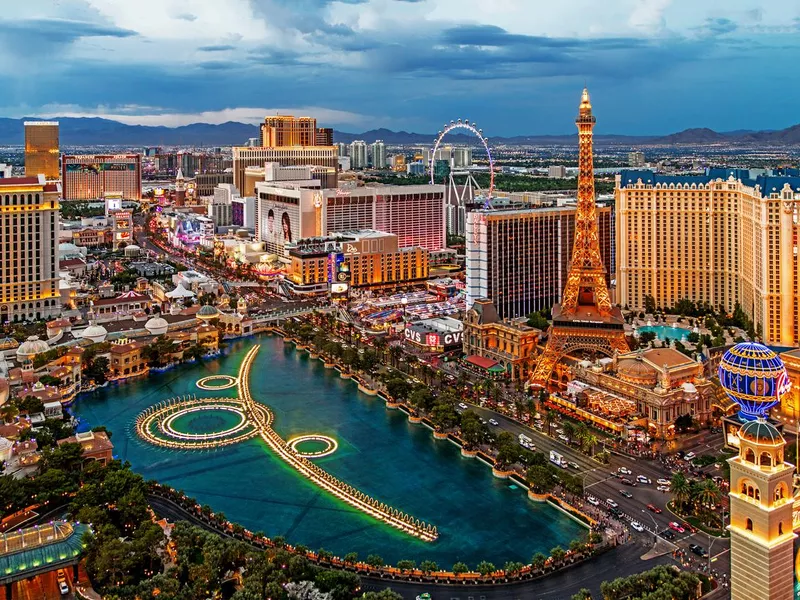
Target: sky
{"x":513,"y":66}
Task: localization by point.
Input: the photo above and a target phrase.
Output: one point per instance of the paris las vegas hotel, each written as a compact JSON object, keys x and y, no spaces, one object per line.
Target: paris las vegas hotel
{"x":728,"y":236}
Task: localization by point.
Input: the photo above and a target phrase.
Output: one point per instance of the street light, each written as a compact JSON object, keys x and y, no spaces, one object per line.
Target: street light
{"x":655,"y":526}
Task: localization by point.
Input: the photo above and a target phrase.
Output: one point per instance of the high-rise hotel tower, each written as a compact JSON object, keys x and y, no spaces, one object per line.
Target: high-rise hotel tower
{"x":726,"y":237}
{"x":41,"y":149}
{"x":29,"y":248}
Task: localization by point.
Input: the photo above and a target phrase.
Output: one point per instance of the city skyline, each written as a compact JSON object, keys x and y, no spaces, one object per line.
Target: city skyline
{"x":513,"y":70}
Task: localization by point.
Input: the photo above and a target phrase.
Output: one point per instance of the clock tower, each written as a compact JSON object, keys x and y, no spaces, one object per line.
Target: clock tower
{"x":761,"y":503}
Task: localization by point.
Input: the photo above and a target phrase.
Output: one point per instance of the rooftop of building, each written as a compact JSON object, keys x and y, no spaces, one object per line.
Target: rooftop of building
{"x":437,"y":325}
{"x":768,"y":181}
{"x":123,"y":299}
{"x":25,"y":550}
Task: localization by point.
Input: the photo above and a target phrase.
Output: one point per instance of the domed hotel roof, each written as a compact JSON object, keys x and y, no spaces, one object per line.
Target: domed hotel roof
{"x":760,"y":432}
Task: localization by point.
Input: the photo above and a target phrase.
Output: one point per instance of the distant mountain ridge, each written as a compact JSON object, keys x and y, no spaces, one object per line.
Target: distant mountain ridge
{"x":96,"y":131}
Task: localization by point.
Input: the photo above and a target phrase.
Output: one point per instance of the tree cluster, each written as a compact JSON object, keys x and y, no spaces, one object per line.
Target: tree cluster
{"x":659,"y":583}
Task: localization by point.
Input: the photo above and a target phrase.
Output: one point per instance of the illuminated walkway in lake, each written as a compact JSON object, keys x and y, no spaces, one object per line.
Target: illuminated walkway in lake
{"x":156,"y":426}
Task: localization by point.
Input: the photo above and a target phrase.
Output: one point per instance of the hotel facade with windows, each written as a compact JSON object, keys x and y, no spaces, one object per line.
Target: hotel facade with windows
{"x":29,"y":224}
{"x":727,"y":237}
{"x":519,"y":258}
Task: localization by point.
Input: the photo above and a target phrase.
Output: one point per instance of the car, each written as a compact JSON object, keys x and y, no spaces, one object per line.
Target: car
{"x":593,"y":501}
{"x":667,"y":534}
{"x":654,"y":508}
{"x":626,"y":493}
{"x":624,"y":471}
{"x":626,"y":481}
{"x":676,"y":527}
{"x":616,"y":512}
{"x":643,"y":479}
{"x":611,"y":503}
{"x":483,"y":420}
{"x":574,"y":465}
{"x":563,"y":438}
{"x":637,"y":526}
{"x":663,"y":488}
{"x":663,"y":481}
{"x":560,"y":431}
{"x":698,"y":550}
{"x":689,"y":528}
{"x":493,"y":422}
{"x":462,"y":406}
{"x":689,"y":456}
{"x":63,"y":588}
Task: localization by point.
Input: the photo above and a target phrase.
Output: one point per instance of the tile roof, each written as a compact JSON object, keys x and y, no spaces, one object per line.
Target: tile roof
{"x":480,"y":361}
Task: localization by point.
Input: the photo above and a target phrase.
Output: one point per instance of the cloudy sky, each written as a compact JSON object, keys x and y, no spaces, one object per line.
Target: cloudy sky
{"x":514,"y":66}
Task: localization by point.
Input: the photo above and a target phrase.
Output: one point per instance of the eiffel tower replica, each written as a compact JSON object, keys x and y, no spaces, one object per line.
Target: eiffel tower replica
{"x":585,"y":319}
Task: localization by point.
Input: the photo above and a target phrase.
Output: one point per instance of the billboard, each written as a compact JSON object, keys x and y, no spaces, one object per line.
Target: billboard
{"x":280,"y":224}
{"x":338,"y":276}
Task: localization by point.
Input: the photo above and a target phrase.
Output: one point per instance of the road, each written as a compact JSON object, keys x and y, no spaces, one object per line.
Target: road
{"x":41,"y":587}
{"x":601,"y":482}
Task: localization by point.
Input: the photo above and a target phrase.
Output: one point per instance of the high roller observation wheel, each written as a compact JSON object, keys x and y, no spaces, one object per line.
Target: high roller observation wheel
{"x":465,"y":124}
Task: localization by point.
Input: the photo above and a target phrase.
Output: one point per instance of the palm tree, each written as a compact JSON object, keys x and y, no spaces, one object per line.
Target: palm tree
{"x":537,"y":561}
{"x":588,"y":443}
{"x":581,"y":431}
{"x":708,"y":493}
{"x":395,"y":352}
{"x":558,"y":554}
{"x":549,"y":419}
{"x":569,"y":430}
{"x":681,"y":488}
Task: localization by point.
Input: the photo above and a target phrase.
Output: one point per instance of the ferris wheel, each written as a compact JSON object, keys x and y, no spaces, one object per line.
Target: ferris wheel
{"x":465,"y":124}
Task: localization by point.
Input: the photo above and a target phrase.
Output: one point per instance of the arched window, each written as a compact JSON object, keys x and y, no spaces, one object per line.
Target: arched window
{"x":758,"y":494}
{"x":744,"y":488}
{"x":750,"y":456}
{"x":749,"y":524}
{"x":780,"y":528}
{"x":766,"y":459}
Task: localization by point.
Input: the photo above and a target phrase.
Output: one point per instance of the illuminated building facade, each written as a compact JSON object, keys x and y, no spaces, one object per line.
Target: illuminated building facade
{"x":520,"y":258}
{"x":726,"y":237}
{"x":91,"y":176}
{"x":358,"y":154}
{"x":41,"y":149}
{"x":29,"y":221}
{"x":509,"y":342}
{"x":585,"y":319}
{"x":650,"y":387}
{"x":372,"y":260}
{"x":289,"y":212}
{"x":378,"y":149}
{"x":761,"y":507}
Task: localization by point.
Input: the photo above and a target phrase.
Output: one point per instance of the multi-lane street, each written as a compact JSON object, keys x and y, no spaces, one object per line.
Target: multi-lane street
{"x":602,"y":482}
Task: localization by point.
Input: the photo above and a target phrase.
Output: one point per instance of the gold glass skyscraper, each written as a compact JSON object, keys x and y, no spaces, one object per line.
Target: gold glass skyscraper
{"x":286,"y":130}
{"x":41,"y":149}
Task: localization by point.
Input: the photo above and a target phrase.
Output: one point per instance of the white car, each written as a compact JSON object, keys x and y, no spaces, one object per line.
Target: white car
{"x":560,"y":431}
{"x":462,"y":406}
{"x":663,"y":481}
{"x":593,"y":501}
{"x":563,"y":438}
{"x":663,"y":488}
{"x":689,"y":456}
{"x":63,"y":588}
{"x":637,"y":526}
{"x":611,"y":503}
{"x":493,"y":422}
{"x":624,"y":471}
{"x":643,"y":479}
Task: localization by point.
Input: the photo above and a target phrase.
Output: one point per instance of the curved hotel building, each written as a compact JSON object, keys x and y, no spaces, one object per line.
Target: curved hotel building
{"x":728,"y":236}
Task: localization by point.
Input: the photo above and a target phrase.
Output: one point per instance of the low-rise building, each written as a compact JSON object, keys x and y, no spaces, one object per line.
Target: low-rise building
{"x":649,"y":387}
{"x":126,"y":359}
{"x":95,"y":445}
{"x":111,"y":309}
{"x":361,"y":259}
{"x":442,"y":334}
{"x":509,"y":342}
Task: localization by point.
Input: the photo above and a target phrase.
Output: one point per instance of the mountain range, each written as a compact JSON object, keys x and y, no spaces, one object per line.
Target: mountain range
{"x":96,"y":131}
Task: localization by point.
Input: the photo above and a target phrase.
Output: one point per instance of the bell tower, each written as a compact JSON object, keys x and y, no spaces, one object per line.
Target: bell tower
{"x":762,"y":537}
